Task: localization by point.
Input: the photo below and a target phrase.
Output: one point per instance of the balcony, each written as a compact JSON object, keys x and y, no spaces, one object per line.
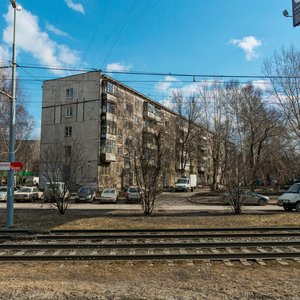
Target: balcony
{"x":152,"y":112}
{"x":108,"y":151}
{"x":109,"y":97}
{"x":108,"y":157}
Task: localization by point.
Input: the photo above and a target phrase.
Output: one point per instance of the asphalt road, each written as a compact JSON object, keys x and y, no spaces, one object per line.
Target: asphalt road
{"x":165,"y":201}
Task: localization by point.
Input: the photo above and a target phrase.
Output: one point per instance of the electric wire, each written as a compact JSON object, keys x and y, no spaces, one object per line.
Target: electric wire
{"x":194,"y":76}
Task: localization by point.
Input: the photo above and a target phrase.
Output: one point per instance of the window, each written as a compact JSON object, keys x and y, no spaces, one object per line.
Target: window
{"x":68,"y":150}
{"x":129,"y":107}
{"x":109,"y":107}
{"x":111,"y":88}
{"x":120,"y":132}
{"x":70,"y":93}
{"x":68,"y":112}
{"x":138,"y":104}
{"x":109,"y":127}
{"x":108,"y":146}
{"x":68,"y":131}
{"x":129,"y":125}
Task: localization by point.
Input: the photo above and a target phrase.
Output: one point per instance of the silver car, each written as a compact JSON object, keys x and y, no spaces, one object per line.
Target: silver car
{"x":3,"y":193}
{"x":249,"y":198}
{"x":109,"y":195}
{"x":134,"y":194}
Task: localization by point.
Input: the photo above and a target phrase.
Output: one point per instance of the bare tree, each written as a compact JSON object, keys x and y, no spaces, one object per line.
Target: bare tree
{"x":24,"y":122}
{"x":260,"y":123}
{"x":253,"y":125}
{"x":283,"y":70}
{"x":212,"y":98}
{"x":62,"y":163}
{"x":148,"y":149}
{"x":189,"y":116}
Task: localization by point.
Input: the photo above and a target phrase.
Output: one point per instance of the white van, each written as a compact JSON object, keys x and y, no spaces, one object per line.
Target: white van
{"x":291,"y":198}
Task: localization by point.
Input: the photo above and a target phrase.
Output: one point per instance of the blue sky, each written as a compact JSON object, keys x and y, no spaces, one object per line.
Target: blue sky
{"x":231,"y":37}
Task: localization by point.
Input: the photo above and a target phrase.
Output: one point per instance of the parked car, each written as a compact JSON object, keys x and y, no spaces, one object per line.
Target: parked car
{"x":59,"y":188}
{"x":109,"y":195}
{"x":28,"y":194}
{"x":291,"y":198}
{"x":85,"y":194}
{"x":249,"y":197}
{"x":134,"y":193}
{"x":3,"y":193}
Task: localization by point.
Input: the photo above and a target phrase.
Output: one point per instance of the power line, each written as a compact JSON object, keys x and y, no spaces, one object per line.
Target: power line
{"x":95,"y":31}
{"x":120,"y":32}
{"x":194,"y":76}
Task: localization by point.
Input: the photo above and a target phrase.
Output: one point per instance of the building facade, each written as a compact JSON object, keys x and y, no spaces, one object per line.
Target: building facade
{"x":102,"y":115}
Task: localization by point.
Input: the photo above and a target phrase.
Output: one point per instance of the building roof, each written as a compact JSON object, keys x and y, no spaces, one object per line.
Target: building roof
{"x":132,"y":90}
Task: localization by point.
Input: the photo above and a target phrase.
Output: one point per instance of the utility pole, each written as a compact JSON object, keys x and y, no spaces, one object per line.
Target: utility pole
{"x":11,"y":173}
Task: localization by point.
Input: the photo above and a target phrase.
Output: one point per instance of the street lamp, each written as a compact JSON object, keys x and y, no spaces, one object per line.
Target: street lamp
{"x":11,"y":173}
{"x":286,"y":14}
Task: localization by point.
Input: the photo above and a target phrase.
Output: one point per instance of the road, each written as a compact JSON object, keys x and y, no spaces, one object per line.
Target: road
{"x":166,"y":201}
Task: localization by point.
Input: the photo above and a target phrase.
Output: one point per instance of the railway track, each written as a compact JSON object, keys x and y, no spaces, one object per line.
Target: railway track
{"x":213,"y":244}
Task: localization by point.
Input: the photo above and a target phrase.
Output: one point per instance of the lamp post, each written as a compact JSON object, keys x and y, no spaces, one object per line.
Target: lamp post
{"x":11,"y":173}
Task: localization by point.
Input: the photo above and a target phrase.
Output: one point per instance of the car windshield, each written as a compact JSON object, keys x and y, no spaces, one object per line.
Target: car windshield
{"x":55,"y":186}
{"x":109,"y":191}
{"x":85,"y":191}
{"x":182,"y":181}
{"x":294,"y":188}
{"x":134,"y":190}
{"x":24,"y":190}
{"x":3,"y":189}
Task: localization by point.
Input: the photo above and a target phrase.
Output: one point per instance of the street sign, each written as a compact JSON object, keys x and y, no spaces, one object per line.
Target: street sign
{"x":16,"y":166}
{"x":296,"y":13}
{"x":4,"y":166}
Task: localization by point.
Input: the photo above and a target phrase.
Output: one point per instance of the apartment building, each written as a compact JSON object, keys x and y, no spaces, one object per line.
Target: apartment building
{"x":102,"y":115}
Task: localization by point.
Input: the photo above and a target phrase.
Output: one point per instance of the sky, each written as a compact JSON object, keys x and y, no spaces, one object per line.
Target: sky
{"x":212,"y":37}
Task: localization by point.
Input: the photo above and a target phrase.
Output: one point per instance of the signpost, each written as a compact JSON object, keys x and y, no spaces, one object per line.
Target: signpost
{"x":296,"y":13}
{"x":16,"y":166}
{"x":6,"y":166}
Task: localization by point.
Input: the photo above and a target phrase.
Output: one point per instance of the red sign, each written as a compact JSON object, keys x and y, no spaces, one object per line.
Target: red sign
{"x":16,"y":166}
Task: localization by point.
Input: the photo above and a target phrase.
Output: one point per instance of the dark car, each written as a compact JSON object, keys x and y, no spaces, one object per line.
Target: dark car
{"x":85,"y":194}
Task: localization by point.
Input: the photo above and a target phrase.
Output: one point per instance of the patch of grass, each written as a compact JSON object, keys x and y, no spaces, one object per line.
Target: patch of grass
{"x":93,"y":219}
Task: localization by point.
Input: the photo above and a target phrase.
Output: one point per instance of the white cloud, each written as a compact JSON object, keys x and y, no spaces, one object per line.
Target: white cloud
{"x":55,"y":30}
{"x":261,"y":84}
{"x":165,"y":85}
{"x":117,"y":67}
{"x":189,"y":89}
{"x":249,"y":45}
{"x":75,"y":6}
{"x":168,"y":103}
{"x":31,"y":39}
{"x":4,"y":54}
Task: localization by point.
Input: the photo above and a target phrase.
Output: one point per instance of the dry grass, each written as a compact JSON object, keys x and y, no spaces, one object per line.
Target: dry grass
{"x":89,"y":219}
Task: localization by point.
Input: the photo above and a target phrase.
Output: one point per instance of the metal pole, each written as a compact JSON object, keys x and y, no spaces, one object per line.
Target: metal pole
{"x":11,"y":173}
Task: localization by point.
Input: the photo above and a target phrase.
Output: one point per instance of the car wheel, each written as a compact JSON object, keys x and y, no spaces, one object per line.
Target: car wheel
{"x":287,"y":208}
{"x":298,"y":207}
{"x":262,"y":202}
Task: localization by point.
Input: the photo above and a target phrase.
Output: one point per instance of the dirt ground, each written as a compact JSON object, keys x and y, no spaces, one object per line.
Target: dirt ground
{"x":141,"y":280}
